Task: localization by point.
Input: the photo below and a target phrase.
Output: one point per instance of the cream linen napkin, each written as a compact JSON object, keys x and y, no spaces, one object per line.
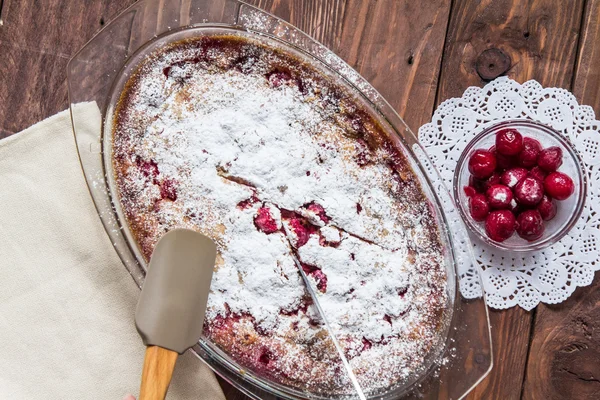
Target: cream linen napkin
{"x":66,"y":301}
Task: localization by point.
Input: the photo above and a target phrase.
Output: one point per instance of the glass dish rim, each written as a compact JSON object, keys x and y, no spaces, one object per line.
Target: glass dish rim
{"x":375,"y":105}
{"x":573,"y":154}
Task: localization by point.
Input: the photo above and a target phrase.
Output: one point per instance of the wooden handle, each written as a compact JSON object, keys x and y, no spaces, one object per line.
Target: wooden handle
{"x":156,"y":375}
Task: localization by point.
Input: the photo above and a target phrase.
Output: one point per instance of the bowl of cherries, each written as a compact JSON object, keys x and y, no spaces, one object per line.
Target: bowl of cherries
{"x":520,"y":185}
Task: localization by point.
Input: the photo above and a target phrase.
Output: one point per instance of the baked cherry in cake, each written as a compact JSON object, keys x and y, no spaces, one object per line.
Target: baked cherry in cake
{"x":282,"y":167}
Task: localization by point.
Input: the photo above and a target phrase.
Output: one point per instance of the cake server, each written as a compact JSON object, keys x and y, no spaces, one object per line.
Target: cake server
{"x":315,"y":297}
{"x":170,"y":311}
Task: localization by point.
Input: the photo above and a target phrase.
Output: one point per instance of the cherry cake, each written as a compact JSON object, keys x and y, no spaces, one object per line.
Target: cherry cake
{"x":276,"y":162}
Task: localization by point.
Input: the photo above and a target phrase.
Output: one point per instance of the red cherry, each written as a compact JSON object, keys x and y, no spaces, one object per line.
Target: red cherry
{"x":499,"y":196}
{"x":550,"y":159}
{"x":509,"y":142}
{"x":515,"y":207}
{"x":264,"y":221}
{"x":547,"y":208}
{"x":491,"y":181}
{"x":319,"y":211}
{"x":529,"y":154}
{"x":321,"y":279}
{"x":149,"y":168}
{"x":530,"y":225}
{"x":479,"y":207}
{"x":482,"y":164}
{"x":477,"y":184}
{"x":278,"y":78}
{"x":300,"y":230}
{"x":529,"y":191}
{"x":504,"y":162}
{"x":513,"y":176}
{"x":469,"y":191}
{"x":168,"y":189}
{"x":538,"y":173}
{"x":559,"y":186}
{"x":500,"y":225}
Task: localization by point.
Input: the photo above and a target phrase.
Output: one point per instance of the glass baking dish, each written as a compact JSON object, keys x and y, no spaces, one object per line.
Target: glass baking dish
{"x":97,"y":75}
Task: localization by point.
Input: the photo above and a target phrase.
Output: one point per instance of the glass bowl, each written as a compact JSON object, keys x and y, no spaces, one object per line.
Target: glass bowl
{"x":568,"y":211}
{"x":96,"y":75}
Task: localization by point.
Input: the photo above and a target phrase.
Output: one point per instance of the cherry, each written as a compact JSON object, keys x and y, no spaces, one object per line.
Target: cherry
{"x":168,"y":190}
{"x":244,"y":204}
{"x":321,"y":280}
{"x":149,"y":168}
{"x":513,"y":176}
{"x":319,"y":211}
{"x":499,"y":196}
{"x":538,"y":173}
{"x":559,"y":186}
{"x":500,"y":225}
{"x":479,"y":207}
{"x":515,"y":207}
{"x":529,"y":191}
{"x":503,"y":161}
{"x":547,"y":208}
{"x":495,"y":179}
{"x":482,"y":164}
{"x":301,"y":228}
{"x":530,"y":225}
{"x":509,"y":142}
{"x":477,"y":184}
{"x":278,"y":78}
{"x":265,"y":357}
{"x":550,"y":159}
{"x":264,"y":221}
{"x":469,"y":191}
{"x":529,"y":154}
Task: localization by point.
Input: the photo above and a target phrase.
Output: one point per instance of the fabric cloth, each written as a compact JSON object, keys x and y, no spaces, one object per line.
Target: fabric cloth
{"x":67,"y":302}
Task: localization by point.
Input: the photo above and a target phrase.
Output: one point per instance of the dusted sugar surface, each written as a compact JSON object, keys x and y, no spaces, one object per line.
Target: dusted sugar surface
{"x":273,"y":161}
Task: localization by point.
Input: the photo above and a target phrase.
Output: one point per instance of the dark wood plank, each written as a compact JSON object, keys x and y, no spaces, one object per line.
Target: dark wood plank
{"x":586,"y":85}
{"x":397,"y":47}
{"x":565,"y":351}
{"x":37,"y":38}
{"x":540,"y":42}
{"x":322,"y":19}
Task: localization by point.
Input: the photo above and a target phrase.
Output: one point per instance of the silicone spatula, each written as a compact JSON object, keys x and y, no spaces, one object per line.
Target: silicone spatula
{"x":170,"y":311}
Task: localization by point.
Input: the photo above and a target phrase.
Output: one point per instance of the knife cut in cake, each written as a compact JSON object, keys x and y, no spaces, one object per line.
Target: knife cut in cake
{"x":274,"y":160}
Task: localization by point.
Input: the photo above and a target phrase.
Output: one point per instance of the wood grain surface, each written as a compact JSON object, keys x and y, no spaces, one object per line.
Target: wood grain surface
{"x":540,"y":42}
{"x":417,"y":54}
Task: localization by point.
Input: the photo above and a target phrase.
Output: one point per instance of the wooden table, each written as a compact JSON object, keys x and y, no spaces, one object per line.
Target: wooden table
{"x":416,"y":53}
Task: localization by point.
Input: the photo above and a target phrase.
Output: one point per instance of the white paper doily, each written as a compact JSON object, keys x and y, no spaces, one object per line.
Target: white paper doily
{"x":550,"y":275}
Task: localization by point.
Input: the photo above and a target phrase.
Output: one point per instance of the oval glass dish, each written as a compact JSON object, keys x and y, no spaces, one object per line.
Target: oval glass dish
{"x":97,"y":76}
